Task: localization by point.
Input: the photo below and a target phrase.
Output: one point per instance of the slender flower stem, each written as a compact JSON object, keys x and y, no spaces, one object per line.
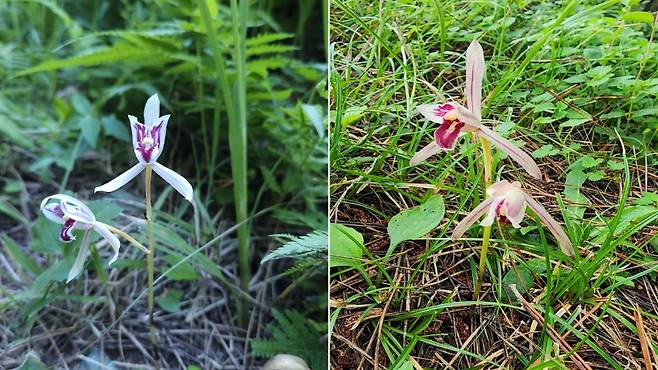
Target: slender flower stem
{"x":488,"y":160}
{"x":486,"y":233}
{"x":129,"y":238}
{"x":150,"y":265}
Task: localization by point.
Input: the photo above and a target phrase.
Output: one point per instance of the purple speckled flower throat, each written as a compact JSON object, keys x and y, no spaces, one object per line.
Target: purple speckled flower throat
{"x":148,"y":140}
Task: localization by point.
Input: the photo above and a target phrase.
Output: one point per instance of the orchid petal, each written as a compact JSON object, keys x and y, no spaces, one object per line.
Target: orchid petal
{"x":470,"y":218}
{"x":66,"y":233}
{"x":69,"y":207}
{"x":152,"y":110}
{"x":428,"y":151}
{"x":429,"y":111}
{"x":102,"y":229}
{"x":552,"y":225}
{"x":493,"y":211}
{"x":139,"y":134}
{"x":133,"y":129}
{"x":445,"y":136}
{"x":466,"y":116}
{"x":174,"y":179}
{"x":74,"y":212}
{"x":53,"y":212}
{"x":500,"y":188}
{"x":121,"y":180}
{"x":515,"y":205}
{"x":80,"y":259}
{"x":513,"y":151}
{"x":162,"y":134}
{"x":474,"y":75}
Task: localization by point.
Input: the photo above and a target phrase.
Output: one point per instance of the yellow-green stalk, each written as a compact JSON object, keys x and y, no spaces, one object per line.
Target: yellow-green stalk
{"x":150,"y":265}
{"x":486,"y":233}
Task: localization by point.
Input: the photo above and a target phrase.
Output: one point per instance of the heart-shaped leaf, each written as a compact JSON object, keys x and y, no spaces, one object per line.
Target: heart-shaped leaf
{"x":415,"y":222}
{"x":345,"y":245}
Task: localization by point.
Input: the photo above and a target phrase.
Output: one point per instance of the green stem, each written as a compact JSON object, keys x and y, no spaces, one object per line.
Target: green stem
{"x":486,"y":233}
{"x":150,"y":266}
{"x":488,"y":161}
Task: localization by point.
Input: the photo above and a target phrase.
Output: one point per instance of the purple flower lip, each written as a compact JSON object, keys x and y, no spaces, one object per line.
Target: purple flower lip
{"x":148,"y":141}
{"x":447,"y":133}
{"x":65,"y":234}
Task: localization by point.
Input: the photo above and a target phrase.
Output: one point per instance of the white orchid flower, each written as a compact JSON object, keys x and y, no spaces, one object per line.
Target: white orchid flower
{"x":285,"y":362}
{"x":148,"y":143}
{"x":455,"y":119}
{"x":72,"y":214}
{"x":508,"y":201}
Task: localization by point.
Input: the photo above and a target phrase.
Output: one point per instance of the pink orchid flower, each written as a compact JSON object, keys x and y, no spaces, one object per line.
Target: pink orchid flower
{"x":148,"y":143}
{"x":72,"y":214}
{"x":455,"y":119}
{"x":507,"y":201}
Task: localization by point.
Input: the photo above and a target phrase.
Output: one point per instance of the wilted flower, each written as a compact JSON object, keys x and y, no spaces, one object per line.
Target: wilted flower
{"x":72,"y":214}
{"x":454,"y":119}
{"x":148,"y":143}
{"x":507,"y":201}
{"x":285,"y":362}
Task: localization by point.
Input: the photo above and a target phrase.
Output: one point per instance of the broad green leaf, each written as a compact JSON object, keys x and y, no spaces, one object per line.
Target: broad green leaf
{"x":170,"y":302}
{"x":345,"y":245}
{"x":45,"y":234}
{"x":415,"y":222}
{"x":105,"y":210}
{"x":113,"y":127}
{"x":90,"y":128}
{"x":574,"y":182}
{"x":81,"y":105}
{"x":523,"y":276}
{"x":596,"y":175}
{"x":590,"y":162}
{"x":544,"y":107}
{"x":615,"y":165}
{"x":184,"y":271}
{"x":545,"y":151}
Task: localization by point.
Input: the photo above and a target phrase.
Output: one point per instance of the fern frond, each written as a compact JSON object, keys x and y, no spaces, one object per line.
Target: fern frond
{"x":269,"y":49}
{"x":266,"y":38}
{"x":314,"y":244}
